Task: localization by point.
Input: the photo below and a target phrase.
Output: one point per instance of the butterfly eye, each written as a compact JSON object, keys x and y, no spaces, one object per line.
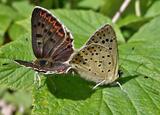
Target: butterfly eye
{"x":42,"y":62}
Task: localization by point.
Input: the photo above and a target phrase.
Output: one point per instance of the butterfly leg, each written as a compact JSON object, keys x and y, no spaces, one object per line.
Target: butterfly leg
{"x":121,"y":87}
{"x":98,"y":84}
{"x":72,"y":71}
{"x":37,"y":79}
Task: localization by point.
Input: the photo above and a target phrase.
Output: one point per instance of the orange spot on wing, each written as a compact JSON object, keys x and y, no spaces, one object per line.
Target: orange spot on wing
{"x":53,"y":23}
{"x":57,"y":28}
{"x":60,"y":34}
{"x":51,"y":30}
{"x":47,"y":18}
{"x":42,"y":14}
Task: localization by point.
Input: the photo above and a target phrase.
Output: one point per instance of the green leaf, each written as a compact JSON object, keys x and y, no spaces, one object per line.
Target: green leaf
{"x":23,"y":8}
{"x":7,"y":11}
{"x":133,"y":21}
{"x":19,"y":28}
{"x":94,"y":4}
{"x":131,"y":24}
{"x":66,"y":94}
{"x":4,"y":24}
{"x":7,"y":14}
{"x":110,"y":7}
{"x":1,"y":40}
{"x":49,"y":3}
{"x":146,"y":47}
{"x":11,"y":74}
{"x":153,"y":10}
{"x":72,"y":95}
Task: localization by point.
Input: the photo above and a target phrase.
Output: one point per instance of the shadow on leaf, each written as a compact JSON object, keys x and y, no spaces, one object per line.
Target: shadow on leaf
{"x":123,"y":80}
{"x":69,"y":87}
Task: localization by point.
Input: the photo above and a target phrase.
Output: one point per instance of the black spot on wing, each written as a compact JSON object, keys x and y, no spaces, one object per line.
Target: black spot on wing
{"x":39,"y":35}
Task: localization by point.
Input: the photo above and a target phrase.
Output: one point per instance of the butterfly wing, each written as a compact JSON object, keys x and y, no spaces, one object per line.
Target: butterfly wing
{"x":65,"y":50}
{"x":57,"y":67}
{"x":51,"y":43}
{"x":48,"y":34}
{"x":98,"y":60}
{"x":106,"y":37}
{"x":25,"y":63}
{"x":95,"y":63}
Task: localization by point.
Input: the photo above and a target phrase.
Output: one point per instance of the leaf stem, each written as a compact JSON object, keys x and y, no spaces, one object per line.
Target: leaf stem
{"x":121,"y":10}
{"x":137,"y":8}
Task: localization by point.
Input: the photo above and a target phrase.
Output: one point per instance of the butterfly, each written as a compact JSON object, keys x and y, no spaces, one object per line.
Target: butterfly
{"x":51,"y":43}
{"x":97,"y":60}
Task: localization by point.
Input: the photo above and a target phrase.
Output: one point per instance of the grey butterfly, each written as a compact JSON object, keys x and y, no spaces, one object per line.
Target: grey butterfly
{"x":51,"y":43}
{"x":97,"y":61}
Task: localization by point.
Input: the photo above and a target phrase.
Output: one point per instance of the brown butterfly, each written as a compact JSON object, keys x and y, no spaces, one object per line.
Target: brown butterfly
{"x":51,"y":43}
